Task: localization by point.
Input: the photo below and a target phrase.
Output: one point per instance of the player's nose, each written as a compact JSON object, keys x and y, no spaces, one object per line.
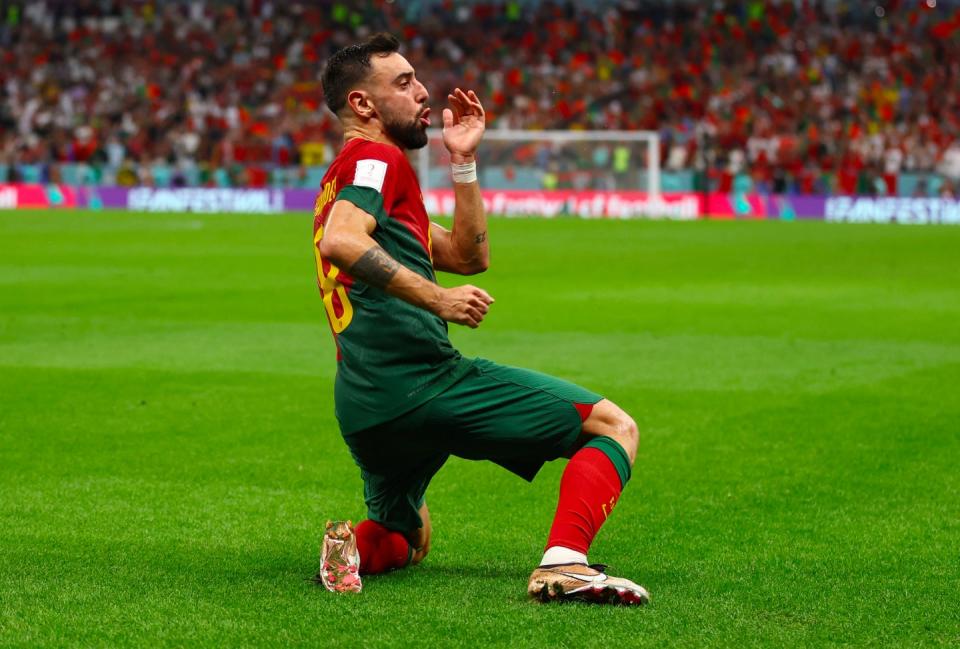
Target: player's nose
{"x":422,"y":96}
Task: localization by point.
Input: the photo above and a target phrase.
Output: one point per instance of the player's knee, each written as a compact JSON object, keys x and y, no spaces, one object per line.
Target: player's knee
{"x":628,"y":435}
{"x":609,"y":420}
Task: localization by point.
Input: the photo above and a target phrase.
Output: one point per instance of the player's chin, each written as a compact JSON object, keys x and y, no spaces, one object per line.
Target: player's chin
{"x":419,"y":138}
{"x":411,"y":135}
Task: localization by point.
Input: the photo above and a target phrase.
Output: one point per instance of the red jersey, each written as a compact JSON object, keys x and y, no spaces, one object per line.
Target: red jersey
{"x":392,"y":356}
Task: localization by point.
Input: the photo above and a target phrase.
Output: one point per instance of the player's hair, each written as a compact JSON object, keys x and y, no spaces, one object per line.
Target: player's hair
{"x":351,"y":65}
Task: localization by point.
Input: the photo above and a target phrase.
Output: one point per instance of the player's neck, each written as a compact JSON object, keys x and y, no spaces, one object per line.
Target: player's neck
{"x":370,"y":131}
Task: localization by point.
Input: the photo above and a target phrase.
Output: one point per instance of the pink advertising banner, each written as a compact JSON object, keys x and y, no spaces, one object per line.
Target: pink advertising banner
{"x":17,"y":196}
{"x":583,"y":204}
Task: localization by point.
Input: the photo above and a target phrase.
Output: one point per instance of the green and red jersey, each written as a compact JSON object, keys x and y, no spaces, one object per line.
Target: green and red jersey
{"x":391,"y":355}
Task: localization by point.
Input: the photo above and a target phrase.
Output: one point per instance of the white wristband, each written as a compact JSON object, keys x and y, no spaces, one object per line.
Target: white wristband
{"x":466,"y":173}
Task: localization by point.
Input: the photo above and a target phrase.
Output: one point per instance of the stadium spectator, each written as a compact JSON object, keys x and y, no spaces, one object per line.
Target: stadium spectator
{"x":795,"y":95}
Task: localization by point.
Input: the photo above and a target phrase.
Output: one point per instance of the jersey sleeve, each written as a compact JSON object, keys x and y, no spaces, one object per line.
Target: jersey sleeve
{"x":371,"y":181}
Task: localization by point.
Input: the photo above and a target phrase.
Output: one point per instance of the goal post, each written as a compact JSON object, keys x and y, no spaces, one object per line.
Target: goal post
{"x":553,"y":160}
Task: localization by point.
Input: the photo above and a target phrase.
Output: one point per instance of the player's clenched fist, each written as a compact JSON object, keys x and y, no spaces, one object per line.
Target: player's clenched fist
{"x":465,"y":305}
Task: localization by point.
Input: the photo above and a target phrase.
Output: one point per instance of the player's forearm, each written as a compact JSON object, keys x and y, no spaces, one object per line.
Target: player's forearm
{"x":377,"y":268}
{"x":469,"y":231}
{"x":466,"y":305}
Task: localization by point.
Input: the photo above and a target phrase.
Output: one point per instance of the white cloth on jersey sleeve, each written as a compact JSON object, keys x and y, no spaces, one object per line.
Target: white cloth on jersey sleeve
{"x":370,"y":173}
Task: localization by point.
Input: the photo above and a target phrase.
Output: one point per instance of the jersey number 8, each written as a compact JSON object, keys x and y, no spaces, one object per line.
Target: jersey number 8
{"x":328,"y":286}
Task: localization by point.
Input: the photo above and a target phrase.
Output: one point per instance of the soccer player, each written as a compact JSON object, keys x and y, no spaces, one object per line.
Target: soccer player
{"x":406,"y":399}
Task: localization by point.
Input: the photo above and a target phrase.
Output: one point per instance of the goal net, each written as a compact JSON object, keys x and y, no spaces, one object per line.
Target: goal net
{"x":589,"y":174}
{"x":553,"y":160}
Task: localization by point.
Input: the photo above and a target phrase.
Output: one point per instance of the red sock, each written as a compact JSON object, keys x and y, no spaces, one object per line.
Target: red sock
{"x":381,"y":549}
{"x":589,"y":489}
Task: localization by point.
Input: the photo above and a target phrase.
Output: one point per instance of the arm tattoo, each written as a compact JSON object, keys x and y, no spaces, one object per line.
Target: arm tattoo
{"x":480,"y":238}
{"x":375,"y":267}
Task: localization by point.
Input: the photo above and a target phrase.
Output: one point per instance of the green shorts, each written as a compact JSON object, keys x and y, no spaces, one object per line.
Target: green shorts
{"x":514,"y":417}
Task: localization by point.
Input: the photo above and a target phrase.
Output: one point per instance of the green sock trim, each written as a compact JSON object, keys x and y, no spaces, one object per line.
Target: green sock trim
{"x":410,"y":553}
{"x":612,"y":449}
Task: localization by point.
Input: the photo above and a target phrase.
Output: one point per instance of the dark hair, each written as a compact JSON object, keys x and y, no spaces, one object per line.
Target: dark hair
{"x":349,"y":66}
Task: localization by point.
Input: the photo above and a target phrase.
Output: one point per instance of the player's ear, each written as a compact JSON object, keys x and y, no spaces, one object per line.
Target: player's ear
{"x":359,"y":102}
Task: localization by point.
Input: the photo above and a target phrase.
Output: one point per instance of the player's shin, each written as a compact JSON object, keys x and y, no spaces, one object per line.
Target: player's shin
{"x":589,"y":490}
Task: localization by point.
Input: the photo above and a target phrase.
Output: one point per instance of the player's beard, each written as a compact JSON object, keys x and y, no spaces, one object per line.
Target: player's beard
{"x":409,"y":135}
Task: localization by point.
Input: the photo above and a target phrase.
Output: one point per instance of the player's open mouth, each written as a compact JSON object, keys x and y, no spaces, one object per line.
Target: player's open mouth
{"x":425,"y":117}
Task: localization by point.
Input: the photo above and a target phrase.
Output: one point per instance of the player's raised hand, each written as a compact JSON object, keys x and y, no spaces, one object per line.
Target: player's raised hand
{"x":463,"y":125}
{"x":465,"y":305}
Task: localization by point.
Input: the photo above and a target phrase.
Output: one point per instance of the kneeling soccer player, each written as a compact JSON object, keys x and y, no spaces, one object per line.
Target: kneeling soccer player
{"x":405,"y":399}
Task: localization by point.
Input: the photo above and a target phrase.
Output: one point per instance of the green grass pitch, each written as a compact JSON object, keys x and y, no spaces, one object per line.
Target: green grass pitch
{"x":168,"y":452}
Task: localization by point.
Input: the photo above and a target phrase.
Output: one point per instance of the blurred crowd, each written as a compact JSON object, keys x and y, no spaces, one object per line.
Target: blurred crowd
{"x":796,"y":95}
